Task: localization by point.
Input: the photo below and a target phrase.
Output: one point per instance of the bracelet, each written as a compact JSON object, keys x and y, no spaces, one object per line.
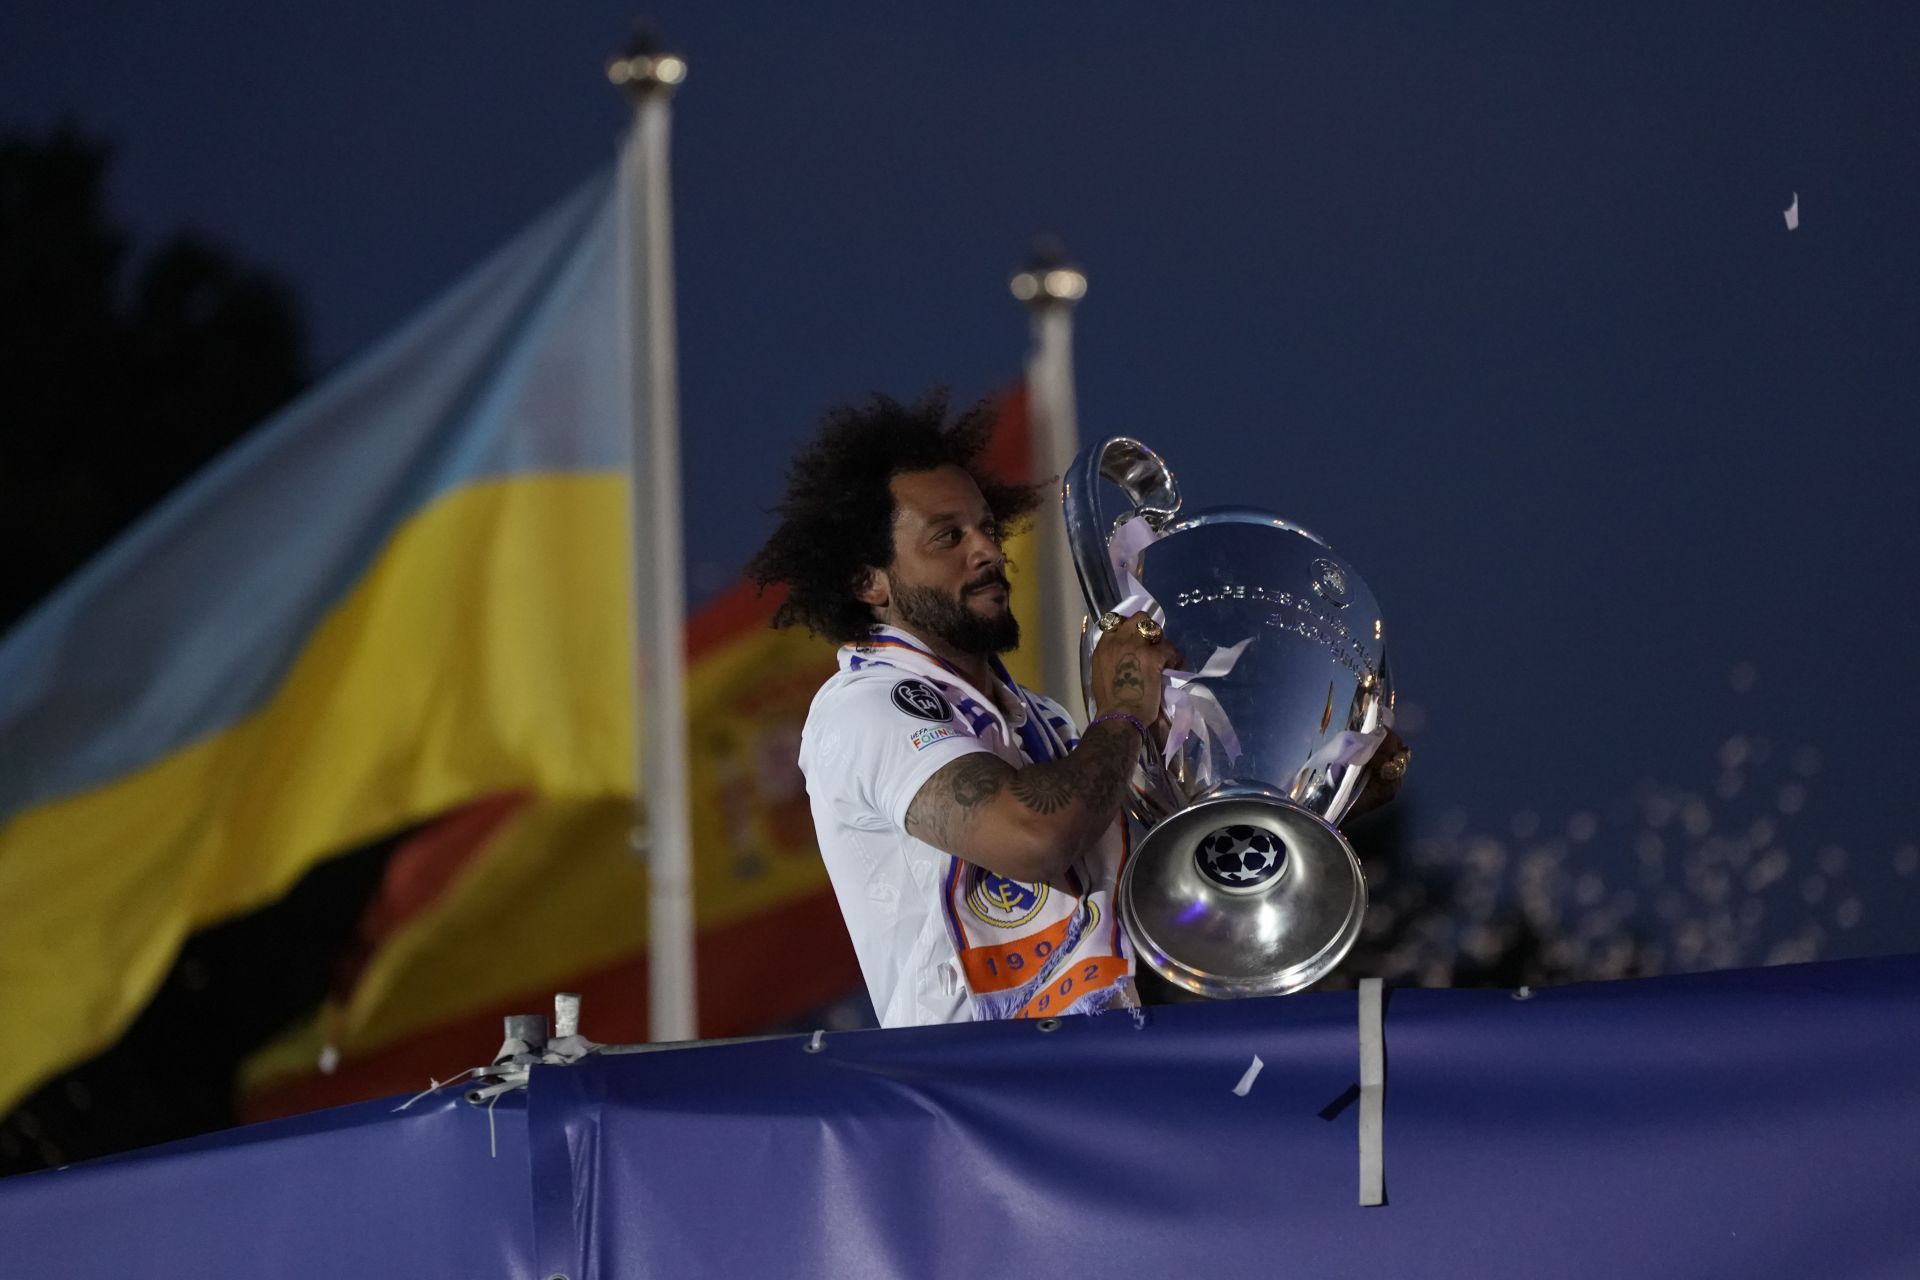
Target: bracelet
{"x":1145,"y":736}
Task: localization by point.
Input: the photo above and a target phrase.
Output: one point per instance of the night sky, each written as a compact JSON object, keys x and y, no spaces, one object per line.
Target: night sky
{"x":1499,"y":299}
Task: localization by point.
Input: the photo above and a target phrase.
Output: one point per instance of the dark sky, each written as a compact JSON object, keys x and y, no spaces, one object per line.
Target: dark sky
{"x":1497,"y":298}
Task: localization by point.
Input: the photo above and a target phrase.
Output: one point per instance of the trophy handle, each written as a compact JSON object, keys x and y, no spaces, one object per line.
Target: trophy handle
{"x":1149,"y":487}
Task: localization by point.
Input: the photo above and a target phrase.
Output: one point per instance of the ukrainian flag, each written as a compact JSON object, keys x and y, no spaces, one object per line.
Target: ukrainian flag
{"x":407,"y":591}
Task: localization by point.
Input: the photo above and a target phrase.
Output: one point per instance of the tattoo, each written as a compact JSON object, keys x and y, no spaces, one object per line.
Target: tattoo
{"x":1044,"y":790}
{"x":978,"y":779}
{"x":1083,"y":791}
{"x":952,"y":796}
{"x":1094,"y":775}
{"x":1129,"y":689}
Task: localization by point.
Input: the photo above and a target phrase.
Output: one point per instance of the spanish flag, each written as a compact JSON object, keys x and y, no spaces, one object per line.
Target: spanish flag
{"x":492,"y":908}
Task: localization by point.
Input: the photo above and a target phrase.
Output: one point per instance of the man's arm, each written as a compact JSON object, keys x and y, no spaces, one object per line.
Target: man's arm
{"x":1031,"y":823}
{"x":1028,"y":823}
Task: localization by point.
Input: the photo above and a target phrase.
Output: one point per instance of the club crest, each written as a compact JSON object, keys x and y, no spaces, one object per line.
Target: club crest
{"x":1004,"y":903}
{"x":920,"y":699}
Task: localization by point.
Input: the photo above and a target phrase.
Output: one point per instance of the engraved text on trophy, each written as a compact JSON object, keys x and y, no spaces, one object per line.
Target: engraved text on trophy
{"x":1301,"y":615}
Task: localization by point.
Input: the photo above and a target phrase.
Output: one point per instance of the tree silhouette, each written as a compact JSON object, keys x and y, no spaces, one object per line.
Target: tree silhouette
{"x":118,"y":382}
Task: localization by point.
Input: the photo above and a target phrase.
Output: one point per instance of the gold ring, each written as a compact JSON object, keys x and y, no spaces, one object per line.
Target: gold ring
{"x":1108,"y":621}
{"x":1394,"y":768}
{"x":1149,"y":630}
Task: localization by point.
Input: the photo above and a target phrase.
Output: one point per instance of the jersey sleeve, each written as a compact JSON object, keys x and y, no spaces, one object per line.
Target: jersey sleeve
{"x":894,"y":731}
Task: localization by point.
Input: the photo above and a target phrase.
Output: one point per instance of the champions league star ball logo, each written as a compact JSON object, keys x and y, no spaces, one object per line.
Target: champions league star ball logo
{"x":1240,"y":858}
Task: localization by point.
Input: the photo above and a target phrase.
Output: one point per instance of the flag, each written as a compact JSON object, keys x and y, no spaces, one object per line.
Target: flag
{"x":406,"y":592}
{"x":1010,"y":454}
{"x":475,"y":922}
{"x":497,"y":906}
{"x":398,"y":615}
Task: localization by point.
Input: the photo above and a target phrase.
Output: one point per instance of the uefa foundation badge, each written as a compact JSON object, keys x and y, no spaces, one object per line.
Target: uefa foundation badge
{"x":924,"y":738}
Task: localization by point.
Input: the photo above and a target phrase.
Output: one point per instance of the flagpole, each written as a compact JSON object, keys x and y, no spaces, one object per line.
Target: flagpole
{"x":649,"y":74}
{"x":1050,"y":286}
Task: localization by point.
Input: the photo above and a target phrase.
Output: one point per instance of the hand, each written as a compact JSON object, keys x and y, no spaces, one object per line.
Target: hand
{"x":1385,"y":772}
{"x":1127,"y":667}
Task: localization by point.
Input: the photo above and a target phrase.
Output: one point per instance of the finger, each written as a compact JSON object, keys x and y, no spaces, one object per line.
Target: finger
{"x":1147,"y":627}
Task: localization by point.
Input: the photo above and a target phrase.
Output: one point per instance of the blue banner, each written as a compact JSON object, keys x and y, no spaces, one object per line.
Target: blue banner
{"x":1758,"y":1123}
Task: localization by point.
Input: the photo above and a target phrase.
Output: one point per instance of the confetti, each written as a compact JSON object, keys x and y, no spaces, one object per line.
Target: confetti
{"x":1793,"y":213}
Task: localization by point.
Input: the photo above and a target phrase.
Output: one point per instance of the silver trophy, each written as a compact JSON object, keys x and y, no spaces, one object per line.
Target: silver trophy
{"x":1241,"y":886}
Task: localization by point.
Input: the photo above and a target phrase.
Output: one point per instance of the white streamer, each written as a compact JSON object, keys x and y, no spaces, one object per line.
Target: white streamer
{"x":434,"y":1086}
{"x":1251,"y":1074}
{"x":1123,"y":552}
{"x":1373,"y":1078}
{"x":1192,"y":710}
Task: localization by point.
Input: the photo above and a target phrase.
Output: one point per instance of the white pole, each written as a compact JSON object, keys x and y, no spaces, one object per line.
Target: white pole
{"x":1050,"y":287}
{"x":659,"y":604}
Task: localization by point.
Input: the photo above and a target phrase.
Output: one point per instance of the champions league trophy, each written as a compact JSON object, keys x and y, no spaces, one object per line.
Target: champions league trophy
{"x":1241,"y":886}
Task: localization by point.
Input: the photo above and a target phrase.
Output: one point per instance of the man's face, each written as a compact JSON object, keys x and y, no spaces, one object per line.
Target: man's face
{"x":948,"y":578}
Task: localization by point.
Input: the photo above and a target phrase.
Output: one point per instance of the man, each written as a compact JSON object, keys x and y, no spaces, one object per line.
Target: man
{"x":973,"y":839}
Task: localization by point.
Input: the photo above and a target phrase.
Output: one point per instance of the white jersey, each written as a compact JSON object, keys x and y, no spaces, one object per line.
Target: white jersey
{"x":939,"y":939}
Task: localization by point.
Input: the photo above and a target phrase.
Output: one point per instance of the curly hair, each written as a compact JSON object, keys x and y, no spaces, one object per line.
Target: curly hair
{"x":836,"y":520}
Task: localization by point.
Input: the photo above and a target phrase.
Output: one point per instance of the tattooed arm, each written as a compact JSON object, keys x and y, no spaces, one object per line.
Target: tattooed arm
{"x":1030,"y":823}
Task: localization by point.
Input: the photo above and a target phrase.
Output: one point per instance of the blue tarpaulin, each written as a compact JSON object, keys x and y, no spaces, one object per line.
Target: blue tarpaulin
{"x":1758,"y":1123}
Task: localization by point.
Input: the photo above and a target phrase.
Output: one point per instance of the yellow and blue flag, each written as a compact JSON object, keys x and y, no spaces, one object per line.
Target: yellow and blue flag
{"x":406,"y":591}
{"x":400,"y":612}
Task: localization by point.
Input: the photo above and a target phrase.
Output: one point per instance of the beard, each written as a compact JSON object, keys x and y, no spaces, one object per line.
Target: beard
{"x":928,"y":612}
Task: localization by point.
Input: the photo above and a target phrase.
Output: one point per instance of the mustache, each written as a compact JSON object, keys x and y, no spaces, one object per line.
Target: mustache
{"x":991,"y":578}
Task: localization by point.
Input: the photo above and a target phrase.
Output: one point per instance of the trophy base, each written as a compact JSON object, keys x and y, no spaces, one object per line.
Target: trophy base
{"x":1242,"y":894}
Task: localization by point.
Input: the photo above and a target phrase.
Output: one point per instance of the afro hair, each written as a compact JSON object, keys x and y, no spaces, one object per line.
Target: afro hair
{"x":836,"y":520}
